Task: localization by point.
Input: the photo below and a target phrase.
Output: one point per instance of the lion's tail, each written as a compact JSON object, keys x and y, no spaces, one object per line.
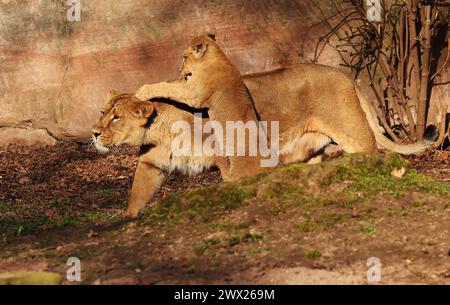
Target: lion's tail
{"x":380,"y":137}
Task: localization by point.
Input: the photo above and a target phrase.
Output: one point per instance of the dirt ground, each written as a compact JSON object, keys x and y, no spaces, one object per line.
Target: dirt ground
{"x":66,"y":201}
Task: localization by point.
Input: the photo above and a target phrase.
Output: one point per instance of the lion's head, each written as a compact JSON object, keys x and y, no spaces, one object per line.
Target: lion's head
{"x":199,"y":50}
{"x":124,"y":121}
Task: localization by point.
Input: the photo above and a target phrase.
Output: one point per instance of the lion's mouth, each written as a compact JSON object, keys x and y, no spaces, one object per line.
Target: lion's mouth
{"x":101,"y":147}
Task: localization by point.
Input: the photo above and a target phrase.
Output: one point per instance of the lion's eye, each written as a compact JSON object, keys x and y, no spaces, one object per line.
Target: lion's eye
{"x":115,"y":117}
{"x":102,"y":113}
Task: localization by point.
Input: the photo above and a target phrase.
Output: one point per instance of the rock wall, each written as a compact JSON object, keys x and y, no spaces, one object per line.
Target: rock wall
{"x":54,"y":73}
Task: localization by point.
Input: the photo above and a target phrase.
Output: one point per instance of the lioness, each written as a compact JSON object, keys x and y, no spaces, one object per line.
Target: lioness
{"x":314,"y":105}
{"x":222,"y":92}
{"x":314,"y":102}
{"x":125,"y":119}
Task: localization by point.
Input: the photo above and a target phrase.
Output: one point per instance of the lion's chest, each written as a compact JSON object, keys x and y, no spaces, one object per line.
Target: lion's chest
{"x":187,"y":165}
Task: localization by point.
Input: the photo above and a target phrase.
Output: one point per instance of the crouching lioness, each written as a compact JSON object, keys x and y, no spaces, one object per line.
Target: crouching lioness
{"x":127,"y":120}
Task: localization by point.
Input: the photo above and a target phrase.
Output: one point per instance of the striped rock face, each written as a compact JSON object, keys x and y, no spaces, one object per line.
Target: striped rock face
{"x":55,"y":72}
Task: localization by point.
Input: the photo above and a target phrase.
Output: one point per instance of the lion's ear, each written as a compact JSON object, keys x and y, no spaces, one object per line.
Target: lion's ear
{"x":111,"y":94}
{"x":145,"y":109}
{"x":199,"y":49}
{"x":212,"y":36}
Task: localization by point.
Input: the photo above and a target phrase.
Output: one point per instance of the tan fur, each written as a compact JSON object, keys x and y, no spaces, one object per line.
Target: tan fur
{"x":124,"y":121}
{"x":323,"y":100}
{"x":313,"y":104}
{"x":223,"y":93}
{"x":303,"y":98}
{"x":300,"y":140}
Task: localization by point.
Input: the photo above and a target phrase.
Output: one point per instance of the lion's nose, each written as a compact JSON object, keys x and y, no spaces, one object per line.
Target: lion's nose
{"x":96,"y":134}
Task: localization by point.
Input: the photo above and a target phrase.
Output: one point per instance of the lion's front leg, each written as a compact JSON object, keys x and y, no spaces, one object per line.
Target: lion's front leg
{"x":147,"y":181}
{"x":177,"y":90}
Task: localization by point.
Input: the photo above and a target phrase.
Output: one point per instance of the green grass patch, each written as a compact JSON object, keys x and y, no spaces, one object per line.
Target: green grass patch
{"x":321,"y":221}
{"x":205,"y":244}
{"x":199,"y":205}
{"x":369,"y":229}
{"x":338,"y":183}
{"x":17,"y":226}
{"x":238,"y":237}
{"x":312,"y":253}
{"x":419,"y":202}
